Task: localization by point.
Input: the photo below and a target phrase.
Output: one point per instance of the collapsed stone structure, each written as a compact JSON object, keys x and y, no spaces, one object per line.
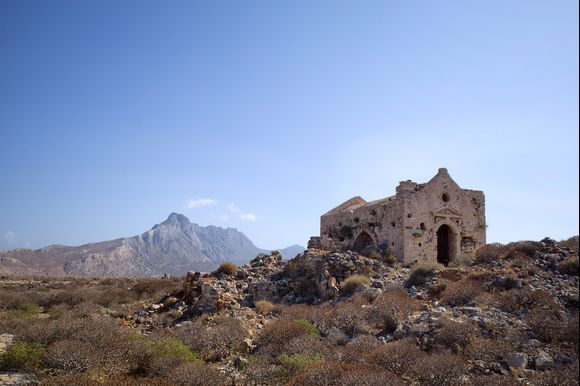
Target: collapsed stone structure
{"x":437,"y":221}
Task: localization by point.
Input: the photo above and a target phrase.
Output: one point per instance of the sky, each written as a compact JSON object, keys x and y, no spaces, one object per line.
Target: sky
{"x":263,"y":115}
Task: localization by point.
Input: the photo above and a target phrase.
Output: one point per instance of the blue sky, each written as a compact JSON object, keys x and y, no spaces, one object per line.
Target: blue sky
{"x":262,"y":115}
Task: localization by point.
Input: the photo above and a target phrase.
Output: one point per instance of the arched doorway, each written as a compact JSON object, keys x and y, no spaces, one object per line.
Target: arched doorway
{"x":445,"y":244}
{"x":363,"y":244}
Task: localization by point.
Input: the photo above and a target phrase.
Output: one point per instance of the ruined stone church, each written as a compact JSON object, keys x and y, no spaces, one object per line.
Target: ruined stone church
{"x":437,"y":221}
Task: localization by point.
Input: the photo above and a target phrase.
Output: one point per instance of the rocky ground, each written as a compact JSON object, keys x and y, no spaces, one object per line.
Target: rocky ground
{"x":504,"y":294}
{"x":325,"y":317}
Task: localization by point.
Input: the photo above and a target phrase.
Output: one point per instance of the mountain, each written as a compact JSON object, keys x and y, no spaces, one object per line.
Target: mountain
{"x":175,"y":246}
{"x":291,"y":251}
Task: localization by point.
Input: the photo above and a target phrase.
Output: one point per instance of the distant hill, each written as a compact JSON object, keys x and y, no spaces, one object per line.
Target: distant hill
{"x":291,"y":251}
{"x":175,"y":246}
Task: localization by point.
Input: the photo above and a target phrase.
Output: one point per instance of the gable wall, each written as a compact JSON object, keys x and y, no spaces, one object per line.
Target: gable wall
{"x":469,"y":229}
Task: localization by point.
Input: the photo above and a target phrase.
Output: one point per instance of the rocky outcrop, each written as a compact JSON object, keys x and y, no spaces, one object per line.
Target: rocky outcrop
{"x":521,"y":284}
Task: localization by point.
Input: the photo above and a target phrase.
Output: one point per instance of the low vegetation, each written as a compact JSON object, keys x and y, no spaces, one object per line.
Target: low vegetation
{"x":430,"y":325}
{"x":227,"y":268}
{"x":421,"y":272}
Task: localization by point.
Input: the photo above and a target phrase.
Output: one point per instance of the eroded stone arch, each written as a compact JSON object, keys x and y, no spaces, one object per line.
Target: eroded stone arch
{"x":364,"y":243}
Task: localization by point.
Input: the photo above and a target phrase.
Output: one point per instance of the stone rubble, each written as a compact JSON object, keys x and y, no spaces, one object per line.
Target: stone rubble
{"x":316,"y":275}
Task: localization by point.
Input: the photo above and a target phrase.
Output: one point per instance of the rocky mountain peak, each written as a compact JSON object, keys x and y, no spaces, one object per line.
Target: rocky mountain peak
{"x":176,"y":219}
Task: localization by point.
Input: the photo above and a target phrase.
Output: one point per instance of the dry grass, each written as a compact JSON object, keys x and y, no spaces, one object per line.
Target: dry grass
{"x":227,"y":268}
{"x":489,"y":252}
{"x":421,"y":272}
{"x":354,"y":283}
{"x":265,"y":307}
{"x":569,"y":266}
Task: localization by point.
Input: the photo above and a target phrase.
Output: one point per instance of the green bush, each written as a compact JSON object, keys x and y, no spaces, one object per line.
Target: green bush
{"x":297,"y":362}
{"x":22,"y":355}
{"x":313,"y":329}
{"x":421,"y":272}
{"x":23,"y":310}
{"x":171,"y":347}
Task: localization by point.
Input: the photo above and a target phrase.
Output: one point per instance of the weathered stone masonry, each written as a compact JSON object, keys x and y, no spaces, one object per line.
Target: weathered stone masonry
{"x":433,"y":221}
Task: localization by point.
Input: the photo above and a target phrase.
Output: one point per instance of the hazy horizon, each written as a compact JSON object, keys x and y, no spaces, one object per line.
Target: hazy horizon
{"x":263,"y":116}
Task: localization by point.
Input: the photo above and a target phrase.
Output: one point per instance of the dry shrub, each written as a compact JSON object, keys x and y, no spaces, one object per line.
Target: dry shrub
{"x":45,"y":332}
{"x":306,"y":345}
{"x":517,"y":300}
{"x":277,"y":334}
{"x":395,"y":356}
{"x":11,"y":300}
{"x":489,"y":252}
{"x":421,"y":272}
{"x":569,"y":266}
{"x":354,"y":350}
{"x":551,"y":326}
{"x":227,"y":268}
{"x":504,"y":283}
{"x":216,"y":340}
{"x":391,"y":308}
{"x":260,"y":371}
{"x":438,"y":369}
{"x":99,"y":343}
{"x":572,"y":243}
{"x":491,"y":380}
{"x":299,"y":311}
{"x":386,"y":257}
{"x":350,"y":316}
{"x":72,"y":355}
{"x":451,"y":274}
{"x":353,"y":284}
{"x":456,"y":334}
{"x":265,"y":307}
{"x":487,"y":350}
{"x":322,"y":374}
{"x":71,"y":297}
{"x":91,"y":378}
{"x":154,"y":287}
{"x":436,"y":289}
{"x":118,"y":282}
{"x":327,"y":374}
{"x":528,"y":248}
{"x":112,"y":296}
{"x":461,"y":292}
{"x":563,"y":376}
{"x":369,"y":376}
{"x":120,"y":351}
{"x":197,"y":374}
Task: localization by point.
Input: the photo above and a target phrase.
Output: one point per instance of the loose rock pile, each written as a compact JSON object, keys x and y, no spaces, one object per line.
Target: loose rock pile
{"x":316,"y":276}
